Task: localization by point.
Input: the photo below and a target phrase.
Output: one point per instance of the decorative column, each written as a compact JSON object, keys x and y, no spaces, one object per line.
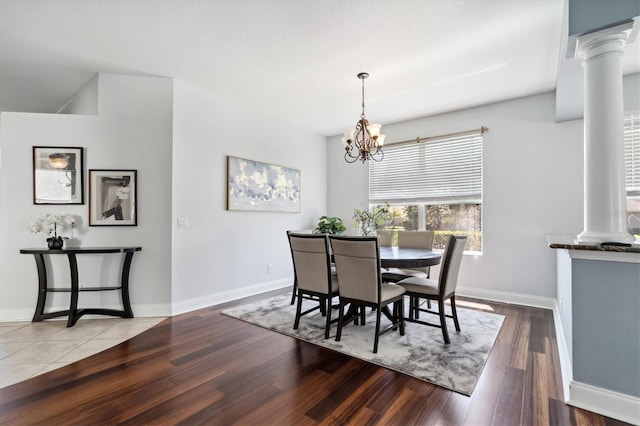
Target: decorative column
{"x":604,"y":180}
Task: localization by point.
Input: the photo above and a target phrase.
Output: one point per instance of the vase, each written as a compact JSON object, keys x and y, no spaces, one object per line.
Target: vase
{"x":55,"y":244}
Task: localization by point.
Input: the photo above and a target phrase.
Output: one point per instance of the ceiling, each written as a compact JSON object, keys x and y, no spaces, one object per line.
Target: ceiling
{"x":296,"y":60}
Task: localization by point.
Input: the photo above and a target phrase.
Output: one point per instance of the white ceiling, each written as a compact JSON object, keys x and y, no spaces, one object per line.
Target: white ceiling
{"x":296,"y":60}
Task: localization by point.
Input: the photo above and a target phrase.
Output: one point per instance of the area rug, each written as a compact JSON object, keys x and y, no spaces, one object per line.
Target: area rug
{"x":420,"y":353}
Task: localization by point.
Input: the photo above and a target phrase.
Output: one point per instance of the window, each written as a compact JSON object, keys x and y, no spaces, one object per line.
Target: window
{"x":632,"y":170}
{"x":435,"y":184}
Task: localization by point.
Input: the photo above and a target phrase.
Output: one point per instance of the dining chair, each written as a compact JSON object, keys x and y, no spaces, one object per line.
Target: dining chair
{"x":439,"y":290}
{"x":385,"y":238}
{"x":357,"y":262}
{"x":313,"y":275}
{"x":295,"y":283}
{"x":410,"y":239}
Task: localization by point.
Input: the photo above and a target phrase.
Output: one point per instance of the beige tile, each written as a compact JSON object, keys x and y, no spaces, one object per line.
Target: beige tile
{"x":7,"y":328}
{"x":86,"y":329}
{"x":42,"y":352}
{"x":126,"y":329}
{"x":89,"y":348}
{"x":35,"y":332}
{"x":9,"y":348}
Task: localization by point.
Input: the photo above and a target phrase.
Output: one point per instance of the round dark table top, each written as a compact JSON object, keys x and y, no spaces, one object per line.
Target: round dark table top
{"x":403,"y":257}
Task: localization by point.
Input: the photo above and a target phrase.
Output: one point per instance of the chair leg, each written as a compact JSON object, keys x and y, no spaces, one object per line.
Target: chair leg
{"x":327,"y":304}
{"x":363,"y":311}
{"x":416,"y":307}
{"x":323,"y":309}
{"x":400,"y":315}
{"x":454,"y":313}
{"x":295,"y":290}
{"x":296,"y":322}
{"x":340,"y":322}
{"x":377,"y":336}
{"x":443,"y":322}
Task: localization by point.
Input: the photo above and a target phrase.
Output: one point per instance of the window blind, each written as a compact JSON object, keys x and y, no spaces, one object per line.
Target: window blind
{"x":631,"y":153}
{"x":442,"y":170}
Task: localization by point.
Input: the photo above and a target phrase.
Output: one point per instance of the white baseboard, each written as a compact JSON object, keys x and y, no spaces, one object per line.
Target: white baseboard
{"x":566,"y":369}
{"x":605,"y":402}
{"x":506,"y":297}
{"x":227,"y":296}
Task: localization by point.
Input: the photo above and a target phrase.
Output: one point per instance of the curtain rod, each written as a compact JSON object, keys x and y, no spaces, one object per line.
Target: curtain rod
{"x":482,"y":130}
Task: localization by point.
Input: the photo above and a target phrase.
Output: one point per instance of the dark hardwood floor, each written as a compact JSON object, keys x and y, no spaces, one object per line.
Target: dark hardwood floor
{"x":205,"y":368}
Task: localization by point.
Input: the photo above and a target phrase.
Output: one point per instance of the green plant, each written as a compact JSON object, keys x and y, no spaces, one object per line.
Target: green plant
{"x":370,"y":220}
{"x":330,"y":225}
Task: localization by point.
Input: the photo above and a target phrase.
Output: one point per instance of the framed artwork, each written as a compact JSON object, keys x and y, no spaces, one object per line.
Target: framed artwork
{"x":113,"y":197}
{"x":58,"y":175}
{"x":252,"y":185}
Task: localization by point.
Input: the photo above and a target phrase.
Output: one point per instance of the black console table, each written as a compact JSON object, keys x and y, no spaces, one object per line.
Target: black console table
{"x":74,"y":313}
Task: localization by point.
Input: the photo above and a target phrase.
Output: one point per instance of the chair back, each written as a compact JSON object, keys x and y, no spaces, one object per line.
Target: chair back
{"x":385,"y":238}
{"x":416,"y":239}
{"x":357,"y":262}
{"x":451,"y":264}
{"x":311,"y":261}
{"x":300,"y":231}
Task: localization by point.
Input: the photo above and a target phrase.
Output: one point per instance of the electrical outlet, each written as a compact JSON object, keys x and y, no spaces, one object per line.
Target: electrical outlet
{"x":269,"y":268}
{"x":183,"y":222}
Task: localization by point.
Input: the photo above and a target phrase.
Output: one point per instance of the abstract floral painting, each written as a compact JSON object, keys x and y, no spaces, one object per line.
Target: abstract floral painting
{"x":252,"y":185}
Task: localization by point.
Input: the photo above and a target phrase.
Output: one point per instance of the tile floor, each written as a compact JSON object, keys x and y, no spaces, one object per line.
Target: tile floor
{"x":28,"y":349}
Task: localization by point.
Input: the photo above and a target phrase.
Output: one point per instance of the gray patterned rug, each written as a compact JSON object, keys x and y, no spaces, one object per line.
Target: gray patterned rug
{"x":420,"y":353}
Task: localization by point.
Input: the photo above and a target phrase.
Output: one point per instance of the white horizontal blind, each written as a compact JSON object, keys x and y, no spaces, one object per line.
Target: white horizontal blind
{"x":438,"y":171}
{"x":631,"y":153}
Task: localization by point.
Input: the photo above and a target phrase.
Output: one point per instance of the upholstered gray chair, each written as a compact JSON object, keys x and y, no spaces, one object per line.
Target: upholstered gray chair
{"x":440,"y":290}
{"x":312,"y":273}
{"x":295,"y":283}
{"x":357,"y":262}
{"x":385,"y":238}
{"x":410,"y":239}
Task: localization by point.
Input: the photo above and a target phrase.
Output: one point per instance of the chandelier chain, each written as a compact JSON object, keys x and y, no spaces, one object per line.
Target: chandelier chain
{"x":362,"y":115}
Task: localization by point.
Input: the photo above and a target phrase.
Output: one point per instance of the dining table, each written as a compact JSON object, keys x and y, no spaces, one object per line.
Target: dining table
{"x":406,"y":257}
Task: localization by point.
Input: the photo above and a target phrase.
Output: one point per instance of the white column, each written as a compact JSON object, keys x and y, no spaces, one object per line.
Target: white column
{"x":604,"y":180}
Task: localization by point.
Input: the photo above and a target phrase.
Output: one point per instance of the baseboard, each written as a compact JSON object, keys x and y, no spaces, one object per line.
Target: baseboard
{"x":507,"y":297}
{"x":566,"y":369}
{"x":605,"y":402}
{"x":227,"y":296}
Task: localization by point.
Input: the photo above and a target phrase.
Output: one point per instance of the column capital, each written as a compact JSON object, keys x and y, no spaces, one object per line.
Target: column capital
{"x":606,"y":40}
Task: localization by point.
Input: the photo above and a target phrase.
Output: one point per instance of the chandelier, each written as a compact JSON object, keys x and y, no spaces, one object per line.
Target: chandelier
{"x":364,"y":142}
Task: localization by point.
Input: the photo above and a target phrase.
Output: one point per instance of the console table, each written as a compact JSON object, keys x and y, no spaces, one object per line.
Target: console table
{"x":73,"y":312}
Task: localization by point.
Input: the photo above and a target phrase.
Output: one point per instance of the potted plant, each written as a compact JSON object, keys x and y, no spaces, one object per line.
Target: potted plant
{"x":330,"y":225}
{"x":370,"y":221}
{"x":49,"y":224}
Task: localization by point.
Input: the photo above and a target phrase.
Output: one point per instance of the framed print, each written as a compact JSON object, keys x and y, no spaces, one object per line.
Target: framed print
{"x":58,"y":175}
{"x":112,"y":197}
{"x":252,"y":185}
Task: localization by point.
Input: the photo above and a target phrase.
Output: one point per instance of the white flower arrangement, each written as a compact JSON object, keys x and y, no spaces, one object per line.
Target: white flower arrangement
{"x":49,"y":224}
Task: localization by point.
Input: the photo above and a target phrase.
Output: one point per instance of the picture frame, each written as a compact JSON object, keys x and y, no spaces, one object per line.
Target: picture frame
{"x":256,"y":186}
{"x":58,"y":175}
{"x":113,"y":197}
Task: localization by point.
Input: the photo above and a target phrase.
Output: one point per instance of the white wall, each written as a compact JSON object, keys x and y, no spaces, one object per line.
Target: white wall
{"x":132,"y":131}
{"x":532,"y":186}
{"x":223,"y":254}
